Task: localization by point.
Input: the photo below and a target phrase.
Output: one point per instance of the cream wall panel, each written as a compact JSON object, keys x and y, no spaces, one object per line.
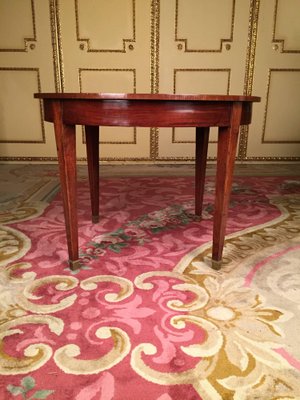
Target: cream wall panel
{"x":203,"y":49}
{"x":17,"y":24}
{"x":208,"y":81}
{"x":286,"y":24}
{"x":107,"y":79}
{"x":19,"y":84}
{"x":106,"y":48}
{"x":105,"y":25}
{"x":275,"y":131}
{"x":193,"y":19}
{"x":282,"y":126}
{"x":25,"y":68}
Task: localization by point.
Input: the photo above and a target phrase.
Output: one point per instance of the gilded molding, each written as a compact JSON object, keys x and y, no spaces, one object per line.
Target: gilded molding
{"x":154,"y":78}
{"x":43,"y":140}
{"x":161,"y":159}
{"x":267,"y":104}
{"x":277,"y":159}
{"x":183,"y":43}
{"x":281,"y":42}
{"x":249,"y":72}
{"x":57,"y":45}
{"x":86,"y":43}
{"x":35,"y":159}
{"x":28,"y":42}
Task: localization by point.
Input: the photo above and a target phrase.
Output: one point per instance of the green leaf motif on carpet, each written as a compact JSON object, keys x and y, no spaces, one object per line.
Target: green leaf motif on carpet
{"x":139,"y":231}
{"x":28,"y":384}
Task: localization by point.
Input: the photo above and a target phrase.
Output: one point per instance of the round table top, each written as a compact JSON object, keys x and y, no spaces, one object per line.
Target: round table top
{"x":145,"y":96}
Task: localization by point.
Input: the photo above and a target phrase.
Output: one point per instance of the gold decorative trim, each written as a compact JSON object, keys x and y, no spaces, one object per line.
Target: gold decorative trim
{"x":27,"y":41}
{"x":161,"y":159}
{"x":251,"y":46}
{"x":87,"y":42}
{"x":133,"y":70}
{"x":267,"y":103}
{"x":259,"y":159}
{"x":154,"y":141}
{"x":28,"y":159}
{"x":228,"y":70}
{"x":154,"y":78}
{"x":155,"y":27}
{"x":40,"y":103}
{"x":57,"y":45}
{"x":183,"y":43}
{"x":249,"y":72}
{"x":123,"y":159}
{"x":271,"y":159}
{"x":280,"y":41}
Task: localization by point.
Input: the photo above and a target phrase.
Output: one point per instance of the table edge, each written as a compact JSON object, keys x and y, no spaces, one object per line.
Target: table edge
{"x":146,"y":96}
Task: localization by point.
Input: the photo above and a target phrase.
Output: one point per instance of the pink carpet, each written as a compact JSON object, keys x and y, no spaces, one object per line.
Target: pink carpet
{"x":146,"y":317}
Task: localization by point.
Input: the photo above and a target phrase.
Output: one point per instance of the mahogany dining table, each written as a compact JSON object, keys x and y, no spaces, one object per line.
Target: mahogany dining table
{"x":92,"y":110}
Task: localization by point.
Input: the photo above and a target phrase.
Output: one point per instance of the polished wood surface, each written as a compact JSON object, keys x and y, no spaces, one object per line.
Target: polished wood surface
{"x":66,"y":110}
{"x":138,"y":110}
{"x":145,"y":96}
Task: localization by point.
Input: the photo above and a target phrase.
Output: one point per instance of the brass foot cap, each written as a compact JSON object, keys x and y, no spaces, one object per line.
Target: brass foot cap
{"x":95,"y":219}
{"x":74,"y":265}
{"x":216,"y":264}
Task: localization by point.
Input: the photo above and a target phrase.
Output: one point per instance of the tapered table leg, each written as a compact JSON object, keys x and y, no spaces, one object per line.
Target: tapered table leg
{"x":227,"y":144}
{"x":92,"y":146}
{"x":66,"y":150}
{"x":202,"y":136}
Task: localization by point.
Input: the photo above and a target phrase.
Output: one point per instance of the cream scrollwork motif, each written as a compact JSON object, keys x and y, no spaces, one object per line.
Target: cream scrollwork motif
{"x":188,"y":285}
{"x":16,"y":274}
{"x":62,"y":283}
{"x":200,"y":371}
{"x":67,"y":356}
{"x":143,"y":281}
{"x":13,"y":279}
{"x":20,"y":313}
{"x":36,"y":354}
{"x":21,"y":211}
{"x":232,"y":327}
{"x":126,"y":286}
{"x":13,"y":245}
{"x":207,"y":348}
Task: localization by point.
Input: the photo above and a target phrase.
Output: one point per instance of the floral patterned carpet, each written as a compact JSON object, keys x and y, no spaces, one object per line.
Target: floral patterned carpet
{"x":146,"y":317}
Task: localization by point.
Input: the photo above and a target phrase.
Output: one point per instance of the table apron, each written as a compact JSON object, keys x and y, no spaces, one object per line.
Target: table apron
{"x":145,"y":113}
